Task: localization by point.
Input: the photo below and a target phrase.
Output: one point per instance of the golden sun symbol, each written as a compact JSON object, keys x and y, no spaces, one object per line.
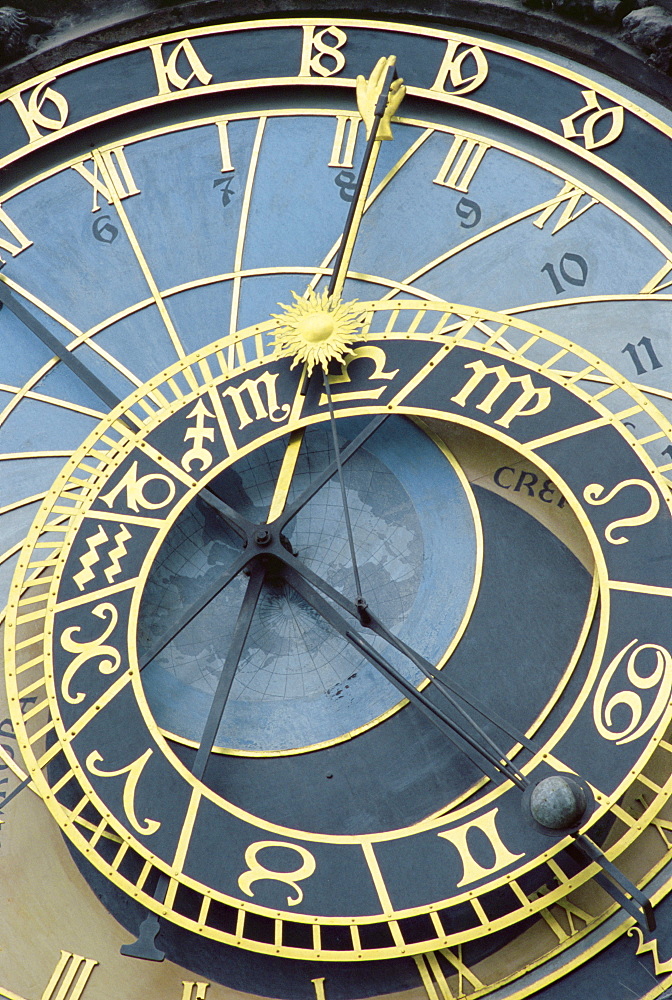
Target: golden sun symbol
{"x":317,"y":329}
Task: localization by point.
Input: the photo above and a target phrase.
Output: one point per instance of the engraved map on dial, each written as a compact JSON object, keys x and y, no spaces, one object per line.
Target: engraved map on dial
{"x":298,"y":683}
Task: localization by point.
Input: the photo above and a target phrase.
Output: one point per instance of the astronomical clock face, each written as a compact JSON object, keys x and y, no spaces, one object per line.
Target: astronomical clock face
{"x":335,"y":517}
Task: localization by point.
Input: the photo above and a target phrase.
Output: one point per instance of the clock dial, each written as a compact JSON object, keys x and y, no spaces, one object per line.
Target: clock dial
{"x":266,"y":780}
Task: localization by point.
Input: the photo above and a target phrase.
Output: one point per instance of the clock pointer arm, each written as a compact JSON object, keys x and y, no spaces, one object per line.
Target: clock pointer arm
{"x":98,"y":387}
{"x":369,"y":620}
{"x":76,"y":366}
{"x":326,"y":475}
{"x":176,"y":627}
{"x":495,"y":765}
{"x":378,"y":98}
{"x":252,"y":532}
{"x":225,"y":681}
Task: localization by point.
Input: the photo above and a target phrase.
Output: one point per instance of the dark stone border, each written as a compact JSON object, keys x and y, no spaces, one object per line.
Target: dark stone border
{"x":593,"y":40}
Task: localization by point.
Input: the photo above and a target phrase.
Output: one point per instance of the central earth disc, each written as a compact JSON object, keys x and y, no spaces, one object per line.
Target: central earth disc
{"x":299,"y":683}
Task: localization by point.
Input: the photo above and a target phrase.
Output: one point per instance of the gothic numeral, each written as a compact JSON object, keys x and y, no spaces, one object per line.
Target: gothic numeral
{"x":69,"y":978}
{"x":346,"y":182}
{"x":319,"y":57}
{"x":465,"y":67}
{"x":469,"y":211}
{"x":461,"y":163}
{"x":645,"y":342}
{"x":104,"y":230}
{"x":110,"y":178}
{"x":610,"y":119}
{"x":169,"y":76}
{"x":46,"y":109}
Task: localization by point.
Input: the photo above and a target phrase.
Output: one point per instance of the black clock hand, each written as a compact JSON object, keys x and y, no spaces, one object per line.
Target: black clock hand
{"x":258,"y":535}
{"x":176,"y":627}
{"x":344,"y":497}
{"x":76,"y":366}
{"x":369,"y":620}
{"x":493,"y":765}
{"x":98,"y":387}
{"x":225,"y":681}
{"x":324,"y":477}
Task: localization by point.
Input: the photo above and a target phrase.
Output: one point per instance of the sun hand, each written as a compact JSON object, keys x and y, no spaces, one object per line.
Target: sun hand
{"x":370,"y":92}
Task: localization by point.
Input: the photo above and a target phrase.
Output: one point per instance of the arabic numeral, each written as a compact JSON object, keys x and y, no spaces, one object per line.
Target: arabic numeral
{"x":631,"y":349}
{"x":573,"y":270}
{"x":226,"y":192}
{"x":103,"y":230}
{"x":346,"y":182}
{"x":469,"y":211}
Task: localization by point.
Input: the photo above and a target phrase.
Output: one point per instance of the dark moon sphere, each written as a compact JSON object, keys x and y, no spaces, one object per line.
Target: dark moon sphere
{"x":557,"y":802}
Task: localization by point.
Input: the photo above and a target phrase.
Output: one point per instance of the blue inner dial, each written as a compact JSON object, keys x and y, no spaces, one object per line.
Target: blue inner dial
{"x":299,"y":683}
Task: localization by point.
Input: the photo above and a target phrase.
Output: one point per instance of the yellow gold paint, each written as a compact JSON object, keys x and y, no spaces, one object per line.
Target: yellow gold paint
{"x":313,"y":81}
{"x":462,"y":331}
{"x":285,"y":475}
{"x":240,"y":245}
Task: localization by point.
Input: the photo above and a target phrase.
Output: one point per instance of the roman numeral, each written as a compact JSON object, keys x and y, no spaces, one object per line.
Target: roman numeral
{"x":657,"y":283}
{"x":194,"y":991}
{"x":345,"y":138}
{"x":461,"y":163}
{"x":69,"y":978}
{"x":110,"y":178}
{"x":319,"y":988}
{"x":22,"y":241}
{"x":434,"y":979}
{"x":569,"y":198}
{"x":224,"y":149}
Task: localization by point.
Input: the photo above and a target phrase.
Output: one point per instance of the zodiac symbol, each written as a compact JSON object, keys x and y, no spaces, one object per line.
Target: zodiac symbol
{"x":593,"y":495}
{"x":87,"y":650}
{"x":90,"y":558}
{"x":661,"y":675}
{"x":257,"y":871}
{"x":199,"y":434}
{"x":133,"y":770}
